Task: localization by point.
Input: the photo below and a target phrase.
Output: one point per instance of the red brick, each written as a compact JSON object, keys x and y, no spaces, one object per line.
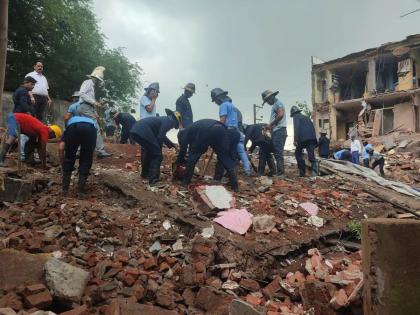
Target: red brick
{"x":253,"y":300}
{"x":129,"y":279}
{"x":141,"y":260}
{"x":138,"y":291}
{"x":200,"y":266}
{"x":274,"y":313}
{"x":336,"y":194}
{"x":150,"y":263}
{"x":35,"y":288}
{"x":80,"y":310}
{"x":271,"y":288}
{"x":39,"y":300}
{"x":250,"y":285}
{"x":163,"y":267}
{"x":170,"y":260}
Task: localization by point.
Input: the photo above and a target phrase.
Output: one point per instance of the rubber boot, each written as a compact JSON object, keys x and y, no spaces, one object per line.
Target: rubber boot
{"x":315,"y":169}
{"x":6,"y":148}
{"x":261,"y":167}
{"x":66,"y":182}
{"x":154,"y":173}
{"x":82,"y":185}
{"x":188,"y":175}
{"x":280,"y":167}
{"x":272,"y":167}
{"x":233,"y":180}
{"x":302,"y":170}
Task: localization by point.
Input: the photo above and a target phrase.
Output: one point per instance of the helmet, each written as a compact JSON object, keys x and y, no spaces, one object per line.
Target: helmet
{"x":217,"y":92}
{"x":294,"y":110}
{"x":57,"y":131}
{"x":190,"y":87}
{"x":267,"y":94}
{"x":153,"y":86}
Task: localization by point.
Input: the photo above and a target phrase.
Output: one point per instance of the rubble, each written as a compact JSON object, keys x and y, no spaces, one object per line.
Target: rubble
{"x":235,"y":220}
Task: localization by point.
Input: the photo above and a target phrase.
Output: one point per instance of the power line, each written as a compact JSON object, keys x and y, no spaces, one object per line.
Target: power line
{"x":409,"y":13}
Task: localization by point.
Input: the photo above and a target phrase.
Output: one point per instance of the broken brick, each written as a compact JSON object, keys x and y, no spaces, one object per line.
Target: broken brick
{"x":80,"y":310}
{"x":253,"y":300}
{"x":272,"y":288}
{"x":150,"y":263}
{"x":250,"y":285}
{"x":39,"y":300}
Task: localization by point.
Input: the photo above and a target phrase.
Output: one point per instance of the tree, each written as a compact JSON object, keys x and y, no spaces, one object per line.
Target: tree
{"x":3,"y":43}
{"x":304,"y":107}
{"x":66,"y":36}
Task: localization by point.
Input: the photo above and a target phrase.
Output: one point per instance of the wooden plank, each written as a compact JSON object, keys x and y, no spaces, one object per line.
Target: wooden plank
{"x":377,"y":123}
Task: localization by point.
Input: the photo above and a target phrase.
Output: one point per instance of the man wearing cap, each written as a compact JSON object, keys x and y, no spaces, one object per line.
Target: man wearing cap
{"x":277,"y":126}
{"x":39,"y":95}
{"x":324,"y":145}
{"x":21,"y":99}
{"x":150,"y":134}
{"x":259,"y":138}
{"x":196,"y":139}
{"x":343,"y":155}
{"x":304,"y":138}
{"x":228,"y":114}
{"x":365,"y":153}
{"x":148,"y":101}
{"x":37,"y":132}
{"x":183,"y":105}
{"x":126,"y":121}
{"x":89,"y":104}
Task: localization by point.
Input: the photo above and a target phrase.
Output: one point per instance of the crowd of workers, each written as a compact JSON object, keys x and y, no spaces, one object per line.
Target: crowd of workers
{"x":228,"y":137}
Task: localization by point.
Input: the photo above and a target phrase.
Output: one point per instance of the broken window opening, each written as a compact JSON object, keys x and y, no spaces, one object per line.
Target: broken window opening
{"x":351,"y":81}
{"x":386,"y":74}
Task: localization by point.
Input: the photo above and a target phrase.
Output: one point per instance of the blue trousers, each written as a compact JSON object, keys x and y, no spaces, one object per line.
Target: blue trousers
{"x":355,"y":157}
{"x":240,"y":147}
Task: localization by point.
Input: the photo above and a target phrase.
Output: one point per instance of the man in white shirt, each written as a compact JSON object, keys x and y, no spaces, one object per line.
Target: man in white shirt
{"x":39,"y":95}
{"x":148,"y":101}
{"x":356,"y":149}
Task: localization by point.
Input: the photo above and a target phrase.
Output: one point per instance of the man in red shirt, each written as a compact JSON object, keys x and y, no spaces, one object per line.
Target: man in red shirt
{"x":37,"y":132}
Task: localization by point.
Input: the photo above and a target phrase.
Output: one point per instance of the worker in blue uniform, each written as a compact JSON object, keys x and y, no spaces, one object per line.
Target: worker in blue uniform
{"x":126,"y":121}
{"x":259,"y":138}
{"x":196,"y":139}
{"x":150,"y":134}
{"x":304,"y":138}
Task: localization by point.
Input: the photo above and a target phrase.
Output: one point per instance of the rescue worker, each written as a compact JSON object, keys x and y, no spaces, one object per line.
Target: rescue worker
{"x":38,"y":135}
{"x":21,"y":99}
{"x":198,"y":137}
{"x":127,"y":121}
{"x":378,"y":160}
{"x":304,"y":138}
{"x":277,"y":126}
{"x":110,"y":126}
{"x":148,"y":101}
{"x":355,"y":148}
{"x":150,"y":134}
{"x":324,"y":145}
{"x":183,"y":105}
{"x":257,"y":135}
{"x":80,"y":131}
{"x":89,"y":104}
{"x":343,"y":155}
{"x":228,"y":114}
{"x":365,"y":153}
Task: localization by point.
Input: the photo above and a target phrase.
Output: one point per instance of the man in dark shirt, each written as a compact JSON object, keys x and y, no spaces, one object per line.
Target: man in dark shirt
{"x":21,"y":100}
{"x":150,"y":134}
{"x":198,"y":137}
{"x":255,"y":134}
{"x":304,"y":138}
{"x":127,"y":121}
{"x":324,"y":145}
{"x":183,"y":105}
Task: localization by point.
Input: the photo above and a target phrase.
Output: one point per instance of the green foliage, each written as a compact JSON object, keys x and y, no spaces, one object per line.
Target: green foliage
{"x":356,"y":228}
{"x":304,"y":107}
{"x":66,"y":36}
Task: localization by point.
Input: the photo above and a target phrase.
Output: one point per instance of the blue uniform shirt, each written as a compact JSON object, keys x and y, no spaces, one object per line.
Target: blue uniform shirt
{"x":282,"y":122}
{"x":73,"y":109}
{"x":145,"y":101}
{"x":77,"y":119}
{"x":338,"y":154}
{"x":365,"y":155}
{"x":228,"y":109}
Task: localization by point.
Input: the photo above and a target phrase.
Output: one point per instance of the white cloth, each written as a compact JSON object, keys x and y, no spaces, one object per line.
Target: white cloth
{"x":87,"y":92}
{"x":144,"y":102}
{"x":356,"y":146}
{"x":41,"y":86}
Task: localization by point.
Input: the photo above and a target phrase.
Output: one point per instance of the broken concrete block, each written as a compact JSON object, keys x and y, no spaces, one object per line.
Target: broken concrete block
{"x":310,"y":208}
{"x":316,"y":221}
{"x":239,"y":307}
{"x":65,"y":281}
{"x":20,"y":268}
{"x":235,"y":220}
{"x":263,"y":223}
{"x":211,"y":198}
{"x":15,"y":189}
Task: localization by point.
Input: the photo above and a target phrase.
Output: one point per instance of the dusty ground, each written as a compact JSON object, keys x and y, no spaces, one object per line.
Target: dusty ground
{"x":121,"y":217}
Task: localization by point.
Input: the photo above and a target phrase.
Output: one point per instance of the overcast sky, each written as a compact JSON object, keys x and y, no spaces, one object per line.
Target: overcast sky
{"x":246,"y":46}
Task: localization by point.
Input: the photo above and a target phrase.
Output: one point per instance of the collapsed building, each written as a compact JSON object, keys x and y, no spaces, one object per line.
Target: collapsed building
{"x":376,"y":90}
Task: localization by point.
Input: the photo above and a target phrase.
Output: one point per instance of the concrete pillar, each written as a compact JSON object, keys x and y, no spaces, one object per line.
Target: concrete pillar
{"x":371,"y":75}
{"x":391,"y":266}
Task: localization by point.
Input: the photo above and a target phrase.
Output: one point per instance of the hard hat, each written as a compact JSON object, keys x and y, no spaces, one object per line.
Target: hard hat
{"x":57,"y":130}
{"x":294,"y":110}
{"x":267,"y":94}
{"x":190,"y":87}
{"x":217,"y":92}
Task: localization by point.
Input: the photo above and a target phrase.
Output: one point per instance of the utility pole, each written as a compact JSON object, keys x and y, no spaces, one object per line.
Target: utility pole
{"x":4,"y":7}
{"x":256,"y":109}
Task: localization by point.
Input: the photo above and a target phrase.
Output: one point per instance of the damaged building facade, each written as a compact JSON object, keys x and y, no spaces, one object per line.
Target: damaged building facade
{"x":376,"y":90}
